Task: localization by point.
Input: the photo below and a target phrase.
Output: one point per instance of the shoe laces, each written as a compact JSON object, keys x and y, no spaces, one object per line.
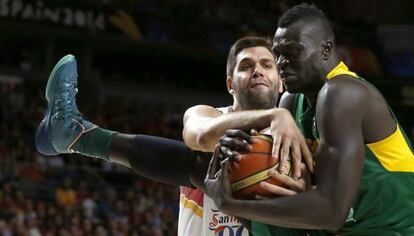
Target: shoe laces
{"x":65,"y":103}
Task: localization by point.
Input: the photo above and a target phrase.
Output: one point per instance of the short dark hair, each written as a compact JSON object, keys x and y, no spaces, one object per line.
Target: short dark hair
{"x":243,"y":43}
{"x":309,"y":13}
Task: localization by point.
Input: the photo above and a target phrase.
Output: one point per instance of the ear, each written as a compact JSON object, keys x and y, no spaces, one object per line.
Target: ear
{"x":281,"y":89}
{"x":229,"y":83}
{"x":327,"y":49}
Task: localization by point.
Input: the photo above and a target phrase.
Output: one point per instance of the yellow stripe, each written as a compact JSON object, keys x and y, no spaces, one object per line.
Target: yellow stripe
{"x":262,"y":175}
{"x":190,"y":204}
{"x":393,"y":153}
{"x":246,"y":182}
{"x":340,"y":69}
{"x":265,"y":137}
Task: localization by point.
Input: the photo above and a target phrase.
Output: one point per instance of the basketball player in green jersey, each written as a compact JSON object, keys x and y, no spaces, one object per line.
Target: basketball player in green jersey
{"x":364,"y":169}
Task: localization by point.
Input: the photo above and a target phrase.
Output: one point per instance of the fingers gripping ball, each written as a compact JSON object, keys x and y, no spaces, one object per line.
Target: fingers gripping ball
{"x":252,"y":168}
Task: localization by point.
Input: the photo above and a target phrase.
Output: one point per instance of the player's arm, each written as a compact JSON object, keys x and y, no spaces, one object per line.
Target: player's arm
{"x":338,"y":172}
{"x":199,"y":132}
{"x":204,"y":125}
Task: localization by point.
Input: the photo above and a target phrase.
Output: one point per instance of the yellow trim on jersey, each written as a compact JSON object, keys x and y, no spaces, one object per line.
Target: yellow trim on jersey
{"x":394,"y":153}
{"x":192,"y":205}
{"x":340,"y":69}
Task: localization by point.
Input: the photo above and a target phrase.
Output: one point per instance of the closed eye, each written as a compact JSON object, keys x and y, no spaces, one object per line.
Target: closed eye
{"x":268,"y":65}
{"x":245,"y":67}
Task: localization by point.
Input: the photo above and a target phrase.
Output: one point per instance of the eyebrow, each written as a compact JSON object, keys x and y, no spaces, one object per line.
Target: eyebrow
{"x":261,"y":59}
{"x":268,"y":60}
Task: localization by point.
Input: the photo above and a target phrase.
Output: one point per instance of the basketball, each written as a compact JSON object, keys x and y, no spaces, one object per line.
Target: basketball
{"x":246,"y":174}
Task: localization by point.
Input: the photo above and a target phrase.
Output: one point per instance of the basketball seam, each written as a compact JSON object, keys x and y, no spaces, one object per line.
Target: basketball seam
{"x":255,"y":173}
{"x":265,"y":138}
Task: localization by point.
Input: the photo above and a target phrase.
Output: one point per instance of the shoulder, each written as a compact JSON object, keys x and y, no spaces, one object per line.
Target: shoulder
{"x":355,"y":100}
{"x":287,"y":100}
{"x":346,"y":91}
{"x":200,"y":108}
{"x":343,"y":99}
{"x":201,"y":111}
{"x":225,"y":110}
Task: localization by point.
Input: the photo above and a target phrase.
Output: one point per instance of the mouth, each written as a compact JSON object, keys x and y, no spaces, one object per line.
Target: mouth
{"x":256,"y":84}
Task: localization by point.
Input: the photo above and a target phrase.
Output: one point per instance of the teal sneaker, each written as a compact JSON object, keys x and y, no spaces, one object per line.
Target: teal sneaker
{"x":63,"y":124}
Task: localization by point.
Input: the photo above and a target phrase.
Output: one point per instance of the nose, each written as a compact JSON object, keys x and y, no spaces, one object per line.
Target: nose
{"x":258,"y":71}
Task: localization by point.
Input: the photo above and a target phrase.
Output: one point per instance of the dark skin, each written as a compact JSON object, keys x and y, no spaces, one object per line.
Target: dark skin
{"x":189,"y":167}
{"x":349,"y":114}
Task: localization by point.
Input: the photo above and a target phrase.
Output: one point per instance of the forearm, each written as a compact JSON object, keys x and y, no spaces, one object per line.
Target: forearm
{"x":323,"y":208}
{"x":308,"y":210}
{"x":211,"y":131}
{"x":198,"y":170}
{"x":160,"y":159}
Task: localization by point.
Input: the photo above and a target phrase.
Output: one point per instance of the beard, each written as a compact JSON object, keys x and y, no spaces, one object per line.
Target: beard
{"x":250,"y":100}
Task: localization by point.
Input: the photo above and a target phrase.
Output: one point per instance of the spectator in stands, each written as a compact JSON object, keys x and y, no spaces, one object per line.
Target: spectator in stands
{"x":65,"y":195}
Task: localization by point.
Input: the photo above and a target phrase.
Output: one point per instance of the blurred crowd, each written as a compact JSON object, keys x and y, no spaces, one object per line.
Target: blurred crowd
{"x":218,"y":23}
{"x":75,"y":195}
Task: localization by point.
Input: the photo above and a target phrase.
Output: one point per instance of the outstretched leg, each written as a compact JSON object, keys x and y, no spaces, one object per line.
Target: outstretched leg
{"x":65,"y":130}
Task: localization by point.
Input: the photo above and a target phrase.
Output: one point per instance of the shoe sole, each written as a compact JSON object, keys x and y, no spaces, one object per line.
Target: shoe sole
{"x":43,"y":140}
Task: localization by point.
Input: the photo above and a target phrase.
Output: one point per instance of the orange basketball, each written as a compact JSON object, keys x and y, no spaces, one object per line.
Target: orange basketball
{"x":253,"y":168}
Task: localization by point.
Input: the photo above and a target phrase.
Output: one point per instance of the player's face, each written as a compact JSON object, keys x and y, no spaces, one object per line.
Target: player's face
{"x":298,"y":57}
{"x":255,"y":81}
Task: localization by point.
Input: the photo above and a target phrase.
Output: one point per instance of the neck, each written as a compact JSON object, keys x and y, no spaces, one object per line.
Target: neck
{"x":330,"y":65}
{"x":238,"y":107}
{"x":235,"y":107}
{"x":312,"y":94}
{"x":245,"y":107}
